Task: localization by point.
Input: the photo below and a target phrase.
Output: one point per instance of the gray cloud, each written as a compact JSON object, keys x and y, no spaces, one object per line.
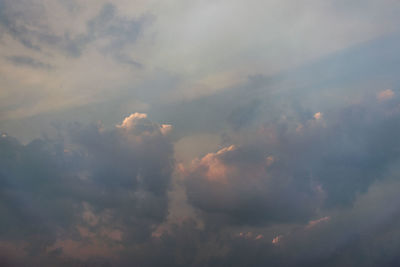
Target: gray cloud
{"x":29,"y":62}
{"x":364,"y":234}
{"x":117,"y":31}
{"x":305,"y":178}
{"x":24,"y":22}
{"x":290,"y":167}
{"x":94,"y":185}
{"x":311,"y":178}
{"x":245,"y":186}
{"x":15,"y":19}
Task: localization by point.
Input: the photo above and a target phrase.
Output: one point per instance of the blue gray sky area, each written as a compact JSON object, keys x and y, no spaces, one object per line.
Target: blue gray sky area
{"x":199,"y":133}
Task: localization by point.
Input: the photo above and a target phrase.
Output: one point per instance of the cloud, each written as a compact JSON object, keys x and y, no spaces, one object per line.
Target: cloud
{"x":114,"y":31}
{"x":26,"y":23}
{"x":349,"y":235}
{"x":242,"y":186}
{"x":277,"y":174}
{"x":313,"y":223}
{"x":362,"y":234}
{"x":289,"y":149}
{"x":385,"y":95}
{"x":106,"y":181}
{"x":130,"y":122}
{"x":276,"y":239}
{"x":103,"y":193}
{"x":318,"y":116}
{"x":29,"y":62}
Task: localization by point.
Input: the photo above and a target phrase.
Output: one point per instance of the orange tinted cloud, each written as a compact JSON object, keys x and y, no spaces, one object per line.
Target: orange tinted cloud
{"x":318,"y":221}
{"x":385,"y":95}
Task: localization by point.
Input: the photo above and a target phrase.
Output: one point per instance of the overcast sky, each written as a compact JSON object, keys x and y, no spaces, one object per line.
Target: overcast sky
{"x":199,"y":133}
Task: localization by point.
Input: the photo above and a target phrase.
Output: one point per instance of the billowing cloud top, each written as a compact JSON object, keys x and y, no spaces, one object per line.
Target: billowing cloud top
{"x":138,"y":124}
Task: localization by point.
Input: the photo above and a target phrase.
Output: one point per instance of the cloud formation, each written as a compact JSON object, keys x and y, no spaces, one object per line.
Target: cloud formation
{"x":102,"y":196}
{"x":290,"y":170}
{"x":279,"y":143}
{"x":23,"y":22}
{"x":245,"y":186}
{"x":108,"y":187}
{"x":29,"y":62}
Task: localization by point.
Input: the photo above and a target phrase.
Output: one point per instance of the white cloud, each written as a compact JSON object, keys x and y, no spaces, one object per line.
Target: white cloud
{"x":132,"y":120}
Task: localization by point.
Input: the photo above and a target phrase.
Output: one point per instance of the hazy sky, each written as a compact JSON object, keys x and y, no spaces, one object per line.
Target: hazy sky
{"x":199,"y":133}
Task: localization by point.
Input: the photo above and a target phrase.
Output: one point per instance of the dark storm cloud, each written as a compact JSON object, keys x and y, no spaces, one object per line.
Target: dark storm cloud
{"x":328,"y":149}
{"x":362,"y":235}
{"x":311,"y":178}
{"x":246,"y":186}
{"x":105,"y":187}
{"x":285,"y":170}
{"x":336,"y":143}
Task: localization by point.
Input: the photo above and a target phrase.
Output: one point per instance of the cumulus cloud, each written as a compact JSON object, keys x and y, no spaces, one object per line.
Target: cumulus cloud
{"x":359,"y":235}
{"x":105,"y":187}
{"x":243,"y":186}
{"x":335,"y":148}
{"x":139,"y":124}
{"x":278,"y":173}
{"x":286,"y":143}
{"x":100,"y":196}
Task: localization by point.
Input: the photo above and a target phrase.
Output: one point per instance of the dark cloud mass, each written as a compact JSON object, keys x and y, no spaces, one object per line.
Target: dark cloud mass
{"x":297,"y":193}
{"x":108,"y":187}
{"x":266,"y":133}
{"x":290,"y":169}
{"x":248,"y":189}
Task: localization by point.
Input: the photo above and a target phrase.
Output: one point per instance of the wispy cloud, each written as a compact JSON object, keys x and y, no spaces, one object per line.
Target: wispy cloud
{"x":29,"y":62}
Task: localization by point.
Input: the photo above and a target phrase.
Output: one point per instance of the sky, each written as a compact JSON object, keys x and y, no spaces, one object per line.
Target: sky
{"x":199,"y":133}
